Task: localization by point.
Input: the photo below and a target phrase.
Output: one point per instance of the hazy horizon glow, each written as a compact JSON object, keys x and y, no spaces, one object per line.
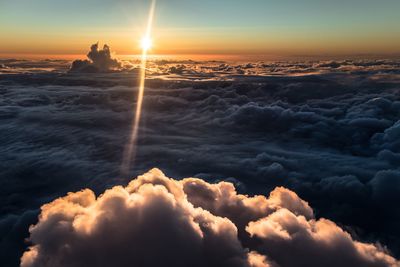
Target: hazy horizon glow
{"x":262,"y":27}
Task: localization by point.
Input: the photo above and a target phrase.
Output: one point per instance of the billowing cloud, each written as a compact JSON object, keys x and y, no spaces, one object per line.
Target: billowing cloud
{"x":100,"y":60}
{"x":158,"y":221}
{"x":295,"y":241}
{"x":148,"y":223}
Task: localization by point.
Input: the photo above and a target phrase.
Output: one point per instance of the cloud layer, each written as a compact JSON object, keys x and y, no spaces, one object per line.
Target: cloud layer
{"x":327,"y":132}
{"x":158,"y":221}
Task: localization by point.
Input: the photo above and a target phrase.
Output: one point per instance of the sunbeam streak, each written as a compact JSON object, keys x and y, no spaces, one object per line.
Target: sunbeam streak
{"x":130,"y":149}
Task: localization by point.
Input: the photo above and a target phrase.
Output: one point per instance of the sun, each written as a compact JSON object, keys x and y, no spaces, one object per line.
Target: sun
{"x":146,"y":43}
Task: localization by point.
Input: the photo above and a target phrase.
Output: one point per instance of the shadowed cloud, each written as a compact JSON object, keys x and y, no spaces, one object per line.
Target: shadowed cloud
{"x":100,"y":60}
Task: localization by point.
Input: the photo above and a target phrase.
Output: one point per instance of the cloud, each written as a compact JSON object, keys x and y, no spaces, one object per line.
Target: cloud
{"x":157,"y":221}
{"x":13,"y":231}
{"x":179,"y":69}
{"x":386,"y":187}
{"x":100,"y":60}
{"x":295,"y":241}
{"x":330,"y":135}
{"x":148,"y":223}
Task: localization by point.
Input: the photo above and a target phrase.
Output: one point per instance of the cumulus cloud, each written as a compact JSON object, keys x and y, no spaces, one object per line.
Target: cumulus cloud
{"x":156,"y":220}
{"x":148,"y":223}
{"x":295,"y":241}
{"x":100,"y":60}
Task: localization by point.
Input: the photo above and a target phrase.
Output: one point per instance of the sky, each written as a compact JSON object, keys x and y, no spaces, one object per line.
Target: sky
{"x":181,"y":27}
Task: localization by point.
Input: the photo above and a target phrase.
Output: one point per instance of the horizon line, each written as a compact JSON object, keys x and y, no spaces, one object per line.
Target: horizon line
{"x":207,"y":56}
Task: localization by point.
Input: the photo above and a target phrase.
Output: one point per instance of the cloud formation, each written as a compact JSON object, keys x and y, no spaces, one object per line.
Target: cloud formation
{"x":100,"y":60}
{"x":158,"y":221}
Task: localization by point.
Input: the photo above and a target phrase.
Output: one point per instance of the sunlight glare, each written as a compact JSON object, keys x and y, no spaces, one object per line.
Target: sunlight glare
{"x":130,"y":149}
{"x":146,"y":43}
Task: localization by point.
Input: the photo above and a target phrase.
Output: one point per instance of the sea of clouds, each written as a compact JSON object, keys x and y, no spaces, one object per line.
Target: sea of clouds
{"x":326,"y":130}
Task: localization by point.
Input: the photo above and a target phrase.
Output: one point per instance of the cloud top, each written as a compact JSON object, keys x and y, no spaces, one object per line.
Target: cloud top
{"x":159,"y":221}
{"x":100,"y":60}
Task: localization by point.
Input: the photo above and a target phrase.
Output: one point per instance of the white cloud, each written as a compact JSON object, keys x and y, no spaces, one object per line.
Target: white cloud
{"x":158,"y":221}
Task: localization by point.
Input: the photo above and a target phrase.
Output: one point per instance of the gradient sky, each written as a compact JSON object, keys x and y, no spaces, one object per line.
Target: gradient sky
{"x":258,"y":27}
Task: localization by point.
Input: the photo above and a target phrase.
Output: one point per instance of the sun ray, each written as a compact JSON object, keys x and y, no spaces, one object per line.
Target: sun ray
{"x":130,"y":149}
